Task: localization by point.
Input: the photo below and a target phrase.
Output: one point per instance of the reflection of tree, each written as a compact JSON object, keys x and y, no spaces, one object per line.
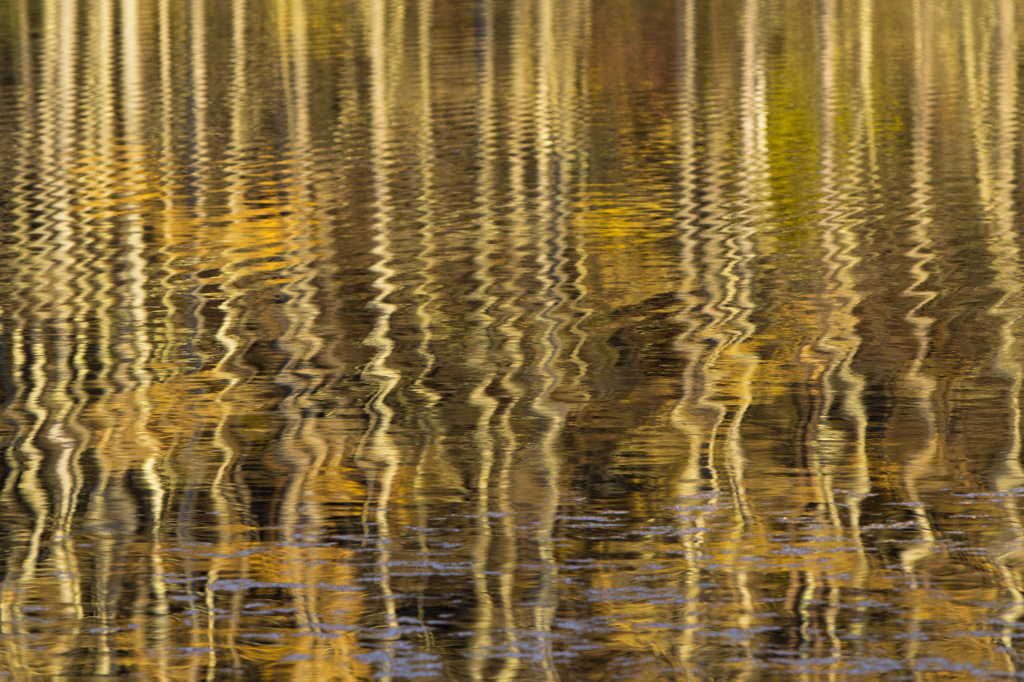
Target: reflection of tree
{"x":996,"y":184}
{"x":319,"y":317}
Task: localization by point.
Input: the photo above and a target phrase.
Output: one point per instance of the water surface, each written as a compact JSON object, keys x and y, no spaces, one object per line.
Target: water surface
{"x":493,"y":340}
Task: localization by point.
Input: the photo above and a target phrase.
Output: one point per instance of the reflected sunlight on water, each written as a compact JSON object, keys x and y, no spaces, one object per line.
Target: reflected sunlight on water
{"x":535,"y":340}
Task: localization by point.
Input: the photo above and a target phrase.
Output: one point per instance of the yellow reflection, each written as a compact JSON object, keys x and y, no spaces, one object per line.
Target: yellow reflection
{"x":503,"y":340}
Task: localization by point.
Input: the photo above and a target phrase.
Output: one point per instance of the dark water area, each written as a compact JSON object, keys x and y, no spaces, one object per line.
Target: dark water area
{"x":490,"y":340}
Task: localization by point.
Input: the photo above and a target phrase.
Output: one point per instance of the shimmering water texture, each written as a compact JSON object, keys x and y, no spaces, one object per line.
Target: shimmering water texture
{"x":511,"y":340}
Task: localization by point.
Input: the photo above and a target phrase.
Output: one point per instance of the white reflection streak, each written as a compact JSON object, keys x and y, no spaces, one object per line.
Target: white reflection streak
{"x":301,"y":445}
{"x":27,"y":337}
{"x":863,"y":156}
{"x":920,"y":385}
{"x":518,"y":94}
{"x":543,"y":404}
{"x":159,"y":608}
{"x":838,"y":341}
{"x":576,"y":134}
{"x":485,"y":404}
{"x":691,"y":518}
{"x":430,"y":453}
{"x":739,"y":284}
{"x":1007,"y":476}
{"x":232,"y":345}
{"x":377,"y":449}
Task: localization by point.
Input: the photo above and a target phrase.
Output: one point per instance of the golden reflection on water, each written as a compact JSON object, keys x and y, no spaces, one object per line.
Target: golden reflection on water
{"x":511,"y":341}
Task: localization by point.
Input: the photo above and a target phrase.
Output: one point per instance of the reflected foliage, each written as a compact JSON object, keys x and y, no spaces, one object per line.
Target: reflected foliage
{"x":534,"y":340}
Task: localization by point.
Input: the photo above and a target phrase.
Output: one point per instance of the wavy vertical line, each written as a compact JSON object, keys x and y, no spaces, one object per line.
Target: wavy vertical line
{"x":822,"y":356}
{"x":71,"y":276}
{"x":920,"y":385}
{"x":548,"y":324}
{"x":838,"y":341}
{"x":158,"y":623}
{"x":570,"y":118}
{"x":14,"y":329}
{"x":377,"y":372}
{"x":709,"y":339}
{"x":51,"y":324}
{"x":44,"y":339}
{"x":56,"y":435}
{"x":65,"y":271}
{"x":580,"y":115}
{"x":377,"y":450}
{"x":687,"y":417}
{"x":921,"y":254}
{"x":14,"y":310}
{"x":844,"y":246}
{"x":738,"y":282}
{"x":126,"y":438}
{"x":166,"y":173}
{"x":512,"y":311}
{"x":237,"y":183}
{"x":16,"y":409}
{"x":740,"y":253}
{"x":700,"y":413}
{"x":297,"y":340}
{"x":483,"y":327}
{"x":301,"y":443}
{"x":135,"y":274}
{"x":198,"y":177}
{"x":66,"y":276}
{"x":1003,"y":244}
{"x":864,"y":180}
{"x":428,"y":265}
{"x":104,"y":411}
{"x":974,"y":77}
{"x":866,"y":63}
{"x":717,"y":249}
{"x":231,"y":305}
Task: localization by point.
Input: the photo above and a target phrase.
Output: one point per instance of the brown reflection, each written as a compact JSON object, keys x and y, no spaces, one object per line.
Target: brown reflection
{"x":996,"y":184}
{"x":378,"y":453}
{"x":535,"y":340}
{"x":920,"y":386}
{"x":693,"y":526}
{"x":480,"y":355}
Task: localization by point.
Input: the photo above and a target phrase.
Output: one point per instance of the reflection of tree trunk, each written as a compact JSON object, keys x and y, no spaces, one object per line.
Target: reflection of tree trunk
{"x":919,"y":384}
{"x":997,"y":184}
{"x":685,"y":417}
{"x":863,"y":184}
{"x":574,"y":72}
{"x":300,"y":445}
{"x":738,"y":282}
{"x":512,"y":309}
{"x":59,"y":438}
{"x":158,"y":621}
{"x":232,"y":342}
{"x":377,"y":453}
{"x":431,"y":442}
{"x":549,"y":273}
{"x":480,"y":355}
{"x":135,"y":352}
{"x":24,"y":459}
{"x":717,"y":383}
